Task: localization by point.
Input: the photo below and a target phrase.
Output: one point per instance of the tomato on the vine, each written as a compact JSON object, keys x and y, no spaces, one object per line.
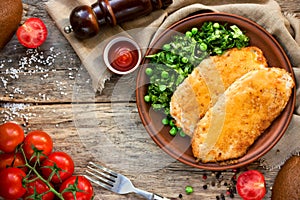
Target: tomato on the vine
{"x":11,"y":135}
{"x":11,"y":180}
{"x":59,"y":162}
{"x":251,"y":185}
{"x":37,"y":144}
{"x":36,"y":188}
{"x":12,"y":160}
{"x":78,"y":184}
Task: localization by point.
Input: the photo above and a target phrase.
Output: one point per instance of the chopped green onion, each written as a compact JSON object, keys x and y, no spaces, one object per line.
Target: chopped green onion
{"x":162,"y":88}
{"x":167,"y":47}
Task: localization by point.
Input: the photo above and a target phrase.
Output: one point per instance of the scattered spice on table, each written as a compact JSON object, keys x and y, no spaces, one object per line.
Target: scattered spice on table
{"x":216,"y":179}
{"x":34,"y":62}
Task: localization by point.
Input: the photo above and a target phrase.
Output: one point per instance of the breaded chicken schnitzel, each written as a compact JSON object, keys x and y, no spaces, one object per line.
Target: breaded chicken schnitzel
{"x":201,"y":89}
{"x":241,"y":114}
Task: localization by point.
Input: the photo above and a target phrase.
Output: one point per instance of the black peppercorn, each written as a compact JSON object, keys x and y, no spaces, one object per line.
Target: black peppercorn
{"x":213,"y":183}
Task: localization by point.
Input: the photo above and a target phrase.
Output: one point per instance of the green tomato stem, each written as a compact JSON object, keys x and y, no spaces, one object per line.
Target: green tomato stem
{"x":33,"y":169}
{"x":59,"y":195}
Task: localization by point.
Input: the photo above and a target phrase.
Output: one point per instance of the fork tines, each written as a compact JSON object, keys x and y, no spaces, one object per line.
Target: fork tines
{"x":101,"y":175}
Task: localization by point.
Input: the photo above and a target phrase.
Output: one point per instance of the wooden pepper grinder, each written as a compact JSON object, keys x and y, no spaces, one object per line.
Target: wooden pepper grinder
{"x":85,"y":20}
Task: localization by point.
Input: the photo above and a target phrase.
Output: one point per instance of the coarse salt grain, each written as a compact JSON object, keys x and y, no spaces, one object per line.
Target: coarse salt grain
{"x":14,"y":110}
{"x":18,"y":91}
{"x":4,"y":81}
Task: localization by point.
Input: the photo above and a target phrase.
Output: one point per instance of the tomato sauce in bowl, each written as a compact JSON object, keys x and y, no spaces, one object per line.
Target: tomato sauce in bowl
{"x":122,"y":55}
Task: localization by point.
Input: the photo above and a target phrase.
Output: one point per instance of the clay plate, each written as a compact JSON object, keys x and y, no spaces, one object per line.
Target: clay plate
{"x":179,"y":147}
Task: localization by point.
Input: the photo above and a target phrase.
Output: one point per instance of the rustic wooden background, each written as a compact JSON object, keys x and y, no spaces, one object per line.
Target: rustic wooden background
{"x":39,"y":90}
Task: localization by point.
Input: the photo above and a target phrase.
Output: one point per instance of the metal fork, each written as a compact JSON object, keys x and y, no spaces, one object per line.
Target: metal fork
{"x":116,"y":182}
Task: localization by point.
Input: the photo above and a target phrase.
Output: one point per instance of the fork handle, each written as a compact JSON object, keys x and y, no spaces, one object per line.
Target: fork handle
{"x":158,"y":197}
{"x":149,"y":195}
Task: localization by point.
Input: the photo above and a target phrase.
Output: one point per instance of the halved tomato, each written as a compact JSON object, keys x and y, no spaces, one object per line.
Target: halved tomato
{"x":251,"y":185}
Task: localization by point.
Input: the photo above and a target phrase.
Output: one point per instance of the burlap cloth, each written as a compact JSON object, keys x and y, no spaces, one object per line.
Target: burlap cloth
{"x":284,"y":26}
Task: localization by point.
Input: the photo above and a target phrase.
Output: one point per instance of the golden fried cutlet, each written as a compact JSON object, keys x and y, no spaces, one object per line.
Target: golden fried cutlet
{"x":241,"y":115}
{"x":201,"y":89}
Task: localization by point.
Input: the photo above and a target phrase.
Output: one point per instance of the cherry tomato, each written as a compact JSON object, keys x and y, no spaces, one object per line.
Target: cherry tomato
{"x":251,"y":185}
{"x":12,"y":160}
{"x":32,"y":33}
{"x":11,"y":183}
{"x":11,"y":135}
{"x":37,"y":187}
{"x":37,"y":140}
{"x":60,"y":162}
{"x":82,"y":183}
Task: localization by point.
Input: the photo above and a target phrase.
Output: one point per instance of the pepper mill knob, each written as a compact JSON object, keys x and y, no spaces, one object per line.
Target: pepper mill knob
{"x":85,"y":20}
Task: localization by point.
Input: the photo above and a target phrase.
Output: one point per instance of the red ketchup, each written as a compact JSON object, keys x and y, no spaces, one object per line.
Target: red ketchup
{"x":123,"y":56}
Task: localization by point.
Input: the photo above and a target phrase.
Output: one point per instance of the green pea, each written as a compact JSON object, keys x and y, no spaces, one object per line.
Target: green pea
{"x":181,"y":133}
{"x":165,"y":121}
{"x":189,"y":189}
{"x":216,"y":25}
{"x":184,"y":60}
{"x":172,"y":123}
{"x":203,"y":47}
{"x":173,"y":131}
{"x":147,"y":98}
{"x":194,"y":30}
{"x":189,"y":34}
{"x":164,"y":74}
{"x":149,"y":71}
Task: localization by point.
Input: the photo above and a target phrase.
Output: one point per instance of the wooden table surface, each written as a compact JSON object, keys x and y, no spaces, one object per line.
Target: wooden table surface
{"x":48,"y":89}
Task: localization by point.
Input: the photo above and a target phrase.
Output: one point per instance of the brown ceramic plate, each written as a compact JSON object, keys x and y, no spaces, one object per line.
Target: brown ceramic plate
{"x":179,"y":147}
